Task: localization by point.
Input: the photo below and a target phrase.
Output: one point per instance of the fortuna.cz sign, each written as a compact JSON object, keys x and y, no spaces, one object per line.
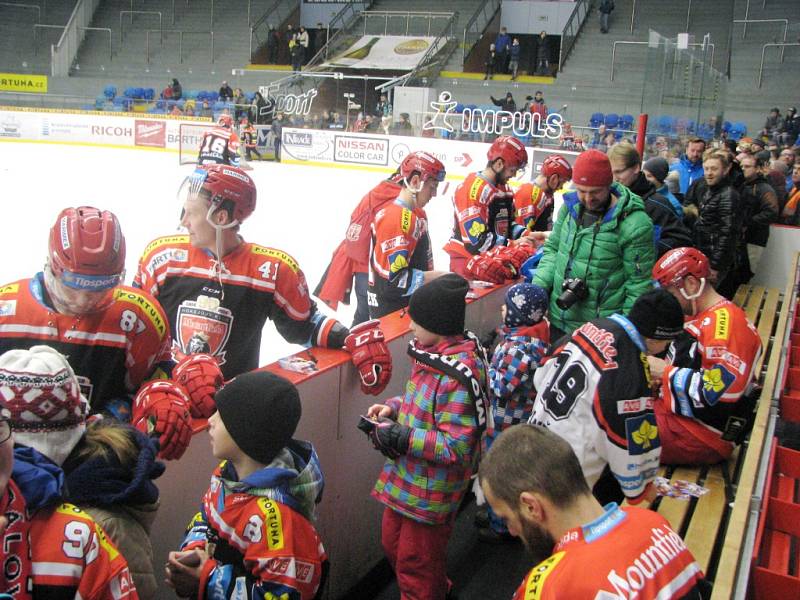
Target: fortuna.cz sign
{"x":492,"y":121}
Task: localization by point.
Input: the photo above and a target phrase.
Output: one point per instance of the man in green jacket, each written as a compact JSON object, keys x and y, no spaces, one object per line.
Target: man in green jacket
{"x":598,"y":258}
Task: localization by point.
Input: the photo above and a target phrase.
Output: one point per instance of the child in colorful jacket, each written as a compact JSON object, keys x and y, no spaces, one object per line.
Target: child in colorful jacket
{"x":254,"y":537}
{"x":524,"y":339}
{"x":431,"y":436}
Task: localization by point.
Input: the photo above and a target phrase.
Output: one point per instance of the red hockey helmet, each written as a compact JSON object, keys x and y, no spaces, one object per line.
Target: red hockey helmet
{"x":428,"y":166}
{"x":555,"y":164}
{"x":676,"y":264}
{"x":225,"y":121}
{"x":510,"y":149}
{"x":87,"y":249}
{"x":222,"y":183}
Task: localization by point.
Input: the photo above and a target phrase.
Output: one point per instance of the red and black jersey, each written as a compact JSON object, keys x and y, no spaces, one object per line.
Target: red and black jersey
{"x":249,"y":136}
{"x":261,"y":546}
{"x":625,"y":553}
{"x":595,"y":392}
{"x":111,"y":351}
{"x":219,"y":146}
{"x":221,"y":310}
{"x":484,"y":216}
{"x":401,"y":253}
{"x":533,"y":208}
{"x":712,"y":368}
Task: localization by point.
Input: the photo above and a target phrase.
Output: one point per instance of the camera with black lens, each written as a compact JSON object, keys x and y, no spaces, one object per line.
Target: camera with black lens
{"x":572,"y":290}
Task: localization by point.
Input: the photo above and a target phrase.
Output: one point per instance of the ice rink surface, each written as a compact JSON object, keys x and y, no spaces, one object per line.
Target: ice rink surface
{"x":302,"y":210}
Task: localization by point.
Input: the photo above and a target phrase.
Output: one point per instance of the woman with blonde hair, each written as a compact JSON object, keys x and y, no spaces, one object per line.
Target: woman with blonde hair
{"x":110,"y":475}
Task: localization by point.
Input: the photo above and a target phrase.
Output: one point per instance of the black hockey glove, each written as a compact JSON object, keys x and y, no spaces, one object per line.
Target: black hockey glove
{"x":389,"y":437}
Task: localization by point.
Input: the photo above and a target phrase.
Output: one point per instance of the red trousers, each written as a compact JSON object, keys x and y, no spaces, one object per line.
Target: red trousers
{"x":685,"y":442}
{"x":418,"y":555}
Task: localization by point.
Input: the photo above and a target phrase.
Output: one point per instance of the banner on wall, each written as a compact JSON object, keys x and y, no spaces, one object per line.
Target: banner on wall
{"x":392,"y":52}
{"x":21,"y":82}
{"x":91,"y":129}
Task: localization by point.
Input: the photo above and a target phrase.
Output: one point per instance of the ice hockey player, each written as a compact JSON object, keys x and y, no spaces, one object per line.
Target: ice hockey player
{"x":249,"y":137}
{"x":218,"y":290}
{"x":220,"y":145}
{"x":484,"y":218}
{"x":349,"y":266}
{"x":114,"y":336}
{"x":595,"y":391}
{"x":707,"y":391}
{"x":402,"y":258}
{"x":532,"y":478}
{"x":533,"y":202}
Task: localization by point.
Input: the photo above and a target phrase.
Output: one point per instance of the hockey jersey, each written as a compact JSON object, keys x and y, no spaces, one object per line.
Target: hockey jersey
{"x":54,"y":550}
{"x":484,"y":217}
{"x":595,"y":392}
{"x":111,"y":351}
{"x":401,"y":253}
{"x":219,"y":146}
{"x":711,"y":369}
{"x":533,"y":208}
{"x":221,"y":310}
{"x":258,"y":532}
{"x":626,"y":553}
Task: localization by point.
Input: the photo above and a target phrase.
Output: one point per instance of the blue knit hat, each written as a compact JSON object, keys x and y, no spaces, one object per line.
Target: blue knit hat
{"x":526,"y":304}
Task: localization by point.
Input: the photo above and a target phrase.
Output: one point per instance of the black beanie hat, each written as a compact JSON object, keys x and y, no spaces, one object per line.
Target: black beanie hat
{"x":657,"y":314}
{"x":260,"y":410}
{"x":439,"y":305}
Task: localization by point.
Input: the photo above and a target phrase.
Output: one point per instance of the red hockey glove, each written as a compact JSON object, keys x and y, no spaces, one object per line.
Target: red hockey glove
{"x":162,"y":407}
{"x":200,"y":376}
{"x":515,"y":255}
{"x":493,"y":269}
{"x":370,"y":356}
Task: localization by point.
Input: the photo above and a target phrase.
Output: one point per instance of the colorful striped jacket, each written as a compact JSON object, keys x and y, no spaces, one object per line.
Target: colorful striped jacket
{"x":428,"y":482}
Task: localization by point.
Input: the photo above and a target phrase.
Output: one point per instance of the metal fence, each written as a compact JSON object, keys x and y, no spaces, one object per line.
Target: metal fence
{"x":477,"y":24}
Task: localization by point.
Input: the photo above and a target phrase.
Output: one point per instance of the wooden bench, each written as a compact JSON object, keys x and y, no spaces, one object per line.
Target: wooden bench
{"x":705,"y":523}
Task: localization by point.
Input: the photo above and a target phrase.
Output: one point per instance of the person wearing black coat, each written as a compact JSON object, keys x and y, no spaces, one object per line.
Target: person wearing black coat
{"x":718,"y":226}
{"x":761,"y":208}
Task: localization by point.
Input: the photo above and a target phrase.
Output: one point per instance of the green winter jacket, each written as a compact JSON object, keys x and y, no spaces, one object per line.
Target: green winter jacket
{"x":621,"y":264}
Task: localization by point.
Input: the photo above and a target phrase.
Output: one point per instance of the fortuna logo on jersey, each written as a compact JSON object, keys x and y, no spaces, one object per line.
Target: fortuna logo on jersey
{"x":203,"y":327}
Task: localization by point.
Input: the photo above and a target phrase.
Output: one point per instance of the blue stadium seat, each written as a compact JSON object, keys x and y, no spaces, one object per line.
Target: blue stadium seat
{"x":612,"y":120}
{"x":596,"y":119}
{"x":149,"y":94}
{"x":109,"y":92}
{"x":666,"y":125}
{"x":626,"y":122}
{"x":218,"y":106}
{"x":726,"y":126}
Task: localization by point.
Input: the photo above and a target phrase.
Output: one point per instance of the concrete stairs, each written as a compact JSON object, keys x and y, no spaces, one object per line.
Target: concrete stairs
{"x":20,"y":51}
{"x":585,"y":84}
{"x":140,"y":50}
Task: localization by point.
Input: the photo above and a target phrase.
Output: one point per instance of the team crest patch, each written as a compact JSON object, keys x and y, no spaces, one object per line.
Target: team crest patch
{"x":642,"y":434}
{"x":203,"y":327}
{"x":398,"y":261}
{"x":474,"y":229}
{"x":715,"y":381}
